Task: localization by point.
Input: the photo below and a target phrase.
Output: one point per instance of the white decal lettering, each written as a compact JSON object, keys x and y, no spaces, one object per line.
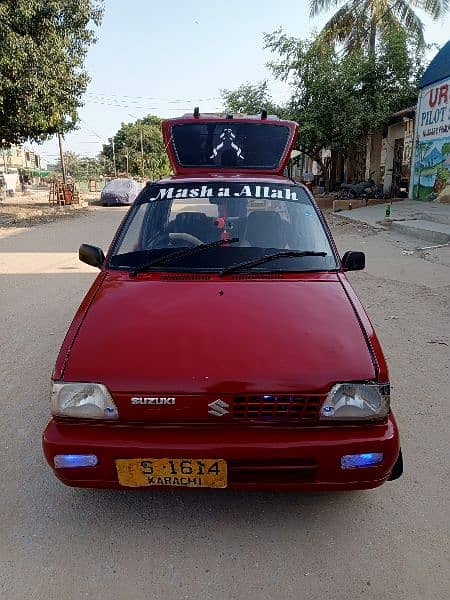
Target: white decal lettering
{"x":182,"y":193}
{"x":245,"y":191}
{"x":164,"y":193}
{"x":206,"y":192}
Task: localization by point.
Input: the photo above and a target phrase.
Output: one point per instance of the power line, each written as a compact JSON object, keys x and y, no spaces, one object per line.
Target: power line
{"x":134,"y":107}
{"x":169,"y":100}
{"x":91,"y":130}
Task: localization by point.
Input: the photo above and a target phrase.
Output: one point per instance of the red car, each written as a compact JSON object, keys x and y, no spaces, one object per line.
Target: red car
{"x":221,"y":344}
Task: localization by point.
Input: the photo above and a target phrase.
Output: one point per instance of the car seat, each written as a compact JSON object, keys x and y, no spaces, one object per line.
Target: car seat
{"x":265,"y":229}
{"x":194,"y":223}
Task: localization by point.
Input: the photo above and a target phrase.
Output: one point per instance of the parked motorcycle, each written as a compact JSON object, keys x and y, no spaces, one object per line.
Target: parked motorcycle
{"x":355,"y":190}
{"x":375,"y":192}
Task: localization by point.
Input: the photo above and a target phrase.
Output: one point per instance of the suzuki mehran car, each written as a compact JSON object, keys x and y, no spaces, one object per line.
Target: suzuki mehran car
{"x":221,"y":344}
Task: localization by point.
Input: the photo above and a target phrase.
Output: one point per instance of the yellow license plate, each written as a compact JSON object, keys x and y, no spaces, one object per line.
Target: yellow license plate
{"x":179,"y":472}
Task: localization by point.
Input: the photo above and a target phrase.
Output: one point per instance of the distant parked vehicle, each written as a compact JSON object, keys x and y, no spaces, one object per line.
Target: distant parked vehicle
{"x":120,"y":191}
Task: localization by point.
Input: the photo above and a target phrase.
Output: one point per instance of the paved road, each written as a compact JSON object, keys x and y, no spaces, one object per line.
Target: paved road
{"x":61,"y":543}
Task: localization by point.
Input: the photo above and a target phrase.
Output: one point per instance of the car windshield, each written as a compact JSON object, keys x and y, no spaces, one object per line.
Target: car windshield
{"x":247,"y":220}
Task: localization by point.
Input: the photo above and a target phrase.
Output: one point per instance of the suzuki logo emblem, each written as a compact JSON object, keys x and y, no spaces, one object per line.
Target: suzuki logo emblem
{"x":218,"y":408}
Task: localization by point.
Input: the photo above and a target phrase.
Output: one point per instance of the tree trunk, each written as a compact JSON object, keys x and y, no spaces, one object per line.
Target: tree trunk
{"x":372,"y":57}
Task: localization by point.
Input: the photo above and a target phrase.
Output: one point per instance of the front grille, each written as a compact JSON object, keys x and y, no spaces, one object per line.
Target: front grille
{"x":276,"y":408}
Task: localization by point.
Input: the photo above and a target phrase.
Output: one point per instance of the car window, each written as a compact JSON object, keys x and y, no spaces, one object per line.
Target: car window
{"x":131,"y":242}
{"x":262,"y":218}
{"x":225,"y":145}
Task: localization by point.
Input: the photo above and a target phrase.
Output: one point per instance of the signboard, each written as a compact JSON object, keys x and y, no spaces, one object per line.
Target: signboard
{"x":434,"y":111}
{"x":431,"y":177}
{"x":408,"y":142}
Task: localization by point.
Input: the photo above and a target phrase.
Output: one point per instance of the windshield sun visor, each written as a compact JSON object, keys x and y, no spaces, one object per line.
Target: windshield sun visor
{"x":230,"y":145}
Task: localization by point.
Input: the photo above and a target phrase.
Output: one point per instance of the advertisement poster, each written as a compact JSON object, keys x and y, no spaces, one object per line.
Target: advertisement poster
{"x":431,"y":179}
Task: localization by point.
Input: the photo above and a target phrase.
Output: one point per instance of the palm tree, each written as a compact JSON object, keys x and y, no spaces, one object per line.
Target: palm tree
{"x":357,"y":23}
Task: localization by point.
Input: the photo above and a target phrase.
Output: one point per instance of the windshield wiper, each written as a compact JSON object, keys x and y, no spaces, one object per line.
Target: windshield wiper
{"x":162,"y":260}
{"x":269,"y":257}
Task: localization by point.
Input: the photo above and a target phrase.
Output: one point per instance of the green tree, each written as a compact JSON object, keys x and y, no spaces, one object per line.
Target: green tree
{"x":152,"y":162}
{"x":358,"y":23}
{"x":79,"y":167}
{"x":365,"y":24}
{"x":89,"y":168}
{"x":325,"y":100}
{"x":249,"y":99}
{"x":43,"y":44}
{"x":71,"y":162}
{"x":338,"y":98}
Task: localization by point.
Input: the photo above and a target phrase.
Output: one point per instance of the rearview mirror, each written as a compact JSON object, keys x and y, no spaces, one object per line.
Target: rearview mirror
{"x":91,"y":255}
{"x":353,"y":261}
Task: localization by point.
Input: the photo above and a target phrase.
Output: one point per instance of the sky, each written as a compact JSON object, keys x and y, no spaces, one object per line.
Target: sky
{"x":165,"y":57}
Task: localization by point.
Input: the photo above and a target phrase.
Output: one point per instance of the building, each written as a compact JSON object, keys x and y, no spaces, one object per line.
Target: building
{"x":394,"y":164}
{"x":430,"y":177}
{"x":18,"y":164}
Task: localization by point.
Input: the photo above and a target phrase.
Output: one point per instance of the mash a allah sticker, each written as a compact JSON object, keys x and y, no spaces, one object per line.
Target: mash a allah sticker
{"x":231,"y":191}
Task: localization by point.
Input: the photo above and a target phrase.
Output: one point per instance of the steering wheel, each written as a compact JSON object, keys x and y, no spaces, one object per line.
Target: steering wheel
{"x":178,"y":237}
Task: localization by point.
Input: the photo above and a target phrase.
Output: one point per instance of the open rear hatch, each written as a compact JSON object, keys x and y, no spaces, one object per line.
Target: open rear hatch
{"x":229,"y":143}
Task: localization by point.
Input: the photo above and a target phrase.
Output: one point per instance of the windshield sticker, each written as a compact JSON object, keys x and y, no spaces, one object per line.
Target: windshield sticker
{"x":215,"y":191}
{"x":227,"y":138}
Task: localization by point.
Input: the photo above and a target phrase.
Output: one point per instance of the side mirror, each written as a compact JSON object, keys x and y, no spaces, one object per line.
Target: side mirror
{"x":91,"y":255}
{"x":353,"y":261}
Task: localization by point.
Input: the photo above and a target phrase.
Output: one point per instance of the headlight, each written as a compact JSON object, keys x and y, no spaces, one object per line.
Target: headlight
{"x":356,"y":402}
{"x":83,"y":401}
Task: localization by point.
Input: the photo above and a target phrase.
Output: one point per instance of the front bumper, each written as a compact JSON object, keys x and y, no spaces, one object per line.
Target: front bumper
{"x":305,"y":458}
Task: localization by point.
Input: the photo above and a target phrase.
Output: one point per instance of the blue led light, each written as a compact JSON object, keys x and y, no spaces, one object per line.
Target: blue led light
{"x":69,"y":461}
{"x":354,"y":461}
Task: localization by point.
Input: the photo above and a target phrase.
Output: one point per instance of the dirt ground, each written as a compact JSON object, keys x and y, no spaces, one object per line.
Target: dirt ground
{"x":34,"y":214}
{"x":28,"y":210}
{"x":391,"y":543}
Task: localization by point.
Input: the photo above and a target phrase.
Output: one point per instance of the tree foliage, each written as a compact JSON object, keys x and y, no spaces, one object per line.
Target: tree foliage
{"x":127,"y":143}
{"x":357,"y":24}
{"x":338,"y":97}
{"x":79,"y":167}
{"x":323,"y":99}
{"x":43,"y":44}
{"x":249,"y":99}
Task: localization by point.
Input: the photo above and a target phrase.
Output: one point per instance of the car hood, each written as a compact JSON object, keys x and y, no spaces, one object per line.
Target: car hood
{"x":147,"y":335}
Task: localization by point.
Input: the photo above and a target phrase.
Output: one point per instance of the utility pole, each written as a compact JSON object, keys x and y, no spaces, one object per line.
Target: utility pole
{"x":142,"y":155}
{"x":114,"y":156}
{"x":61,"y":154}
{"x":127,"y":156}
{"x":4,"y":157}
